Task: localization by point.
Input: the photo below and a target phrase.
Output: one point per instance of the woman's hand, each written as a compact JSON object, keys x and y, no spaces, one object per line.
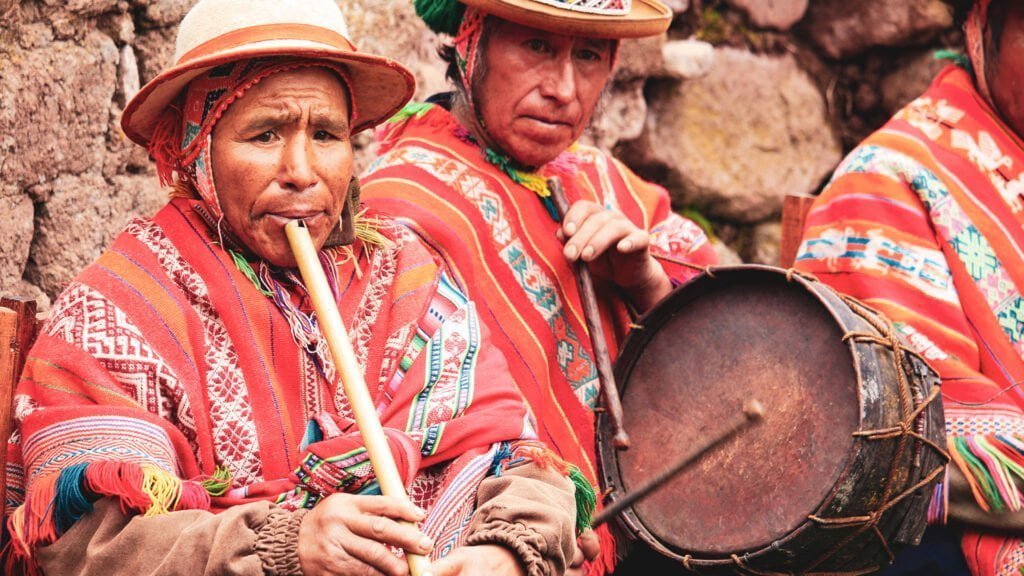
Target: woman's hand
{"x":489,"y":559}
{"x":616,"y":249}
{"x":349,"y":534}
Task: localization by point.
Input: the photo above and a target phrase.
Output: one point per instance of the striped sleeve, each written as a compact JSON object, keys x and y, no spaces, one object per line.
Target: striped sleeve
{"x":869,"y":236}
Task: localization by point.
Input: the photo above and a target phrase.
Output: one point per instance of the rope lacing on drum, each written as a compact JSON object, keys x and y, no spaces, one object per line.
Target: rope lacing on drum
{"x":743,"y":567}
{"x":791,"y":272}
{"x":905,"y":430}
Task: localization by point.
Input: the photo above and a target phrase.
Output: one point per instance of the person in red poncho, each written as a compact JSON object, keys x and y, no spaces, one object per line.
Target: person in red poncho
{"x":468,"y":171}
{"x":180,"y":412}
{"x":924,"y":221}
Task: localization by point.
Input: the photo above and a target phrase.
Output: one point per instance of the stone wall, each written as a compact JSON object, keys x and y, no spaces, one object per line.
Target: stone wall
{"x":740,"y":103}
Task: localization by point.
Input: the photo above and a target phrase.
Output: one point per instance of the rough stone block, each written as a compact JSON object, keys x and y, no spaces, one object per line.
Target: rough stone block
{"x":82,"y":216}
{"x":54,"y":106}
{"x":739,"y":139}
{"x":15,"y":236}
{"x":841,"y":28}
{"x":775,"y":14}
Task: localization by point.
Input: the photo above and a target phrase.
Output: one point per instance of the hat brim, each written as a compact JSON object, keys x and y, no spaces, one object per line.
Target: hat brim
{"x":645,"y":18}
{"x":380,"y":86}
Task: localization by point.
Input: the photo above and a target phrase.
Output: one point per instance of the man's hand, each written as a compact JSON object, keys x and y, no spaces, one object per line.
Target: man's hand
{"x":350,"y":535}
{"x":616,"y":249}
{"x":489,"y":559}
{"x":587,"y":548}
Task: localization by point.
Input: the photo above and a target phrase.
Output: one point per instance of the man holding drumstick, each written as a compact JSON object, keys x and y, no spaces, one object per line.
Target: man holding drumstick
{"x":180,"y":412}
{"x":469,"y":171}
{"x":938,"y":191}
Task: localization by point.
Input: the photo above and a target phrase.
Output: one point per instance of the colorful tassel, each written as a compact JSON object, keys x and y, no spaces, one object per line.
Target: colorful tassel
{"x":70,"y":501}
{"x":417,"y":109}
{"x":119,"y":479}
{"x":165,"y":146}
{"x":938,"y":507}
{"x":219,"y":483}
{"x":441,"y":16}
{"x":586,"y":499}
{"x":954,"y":56}
{"x":246,"y":269}
{"x":607,"y":558}
{"x":990,"y":464}
{"x":54,"y":503}
{"x":164,"y":490}
{"x":586,"y":495}
{"x":368,"y":231}
{"x":193,"y":497}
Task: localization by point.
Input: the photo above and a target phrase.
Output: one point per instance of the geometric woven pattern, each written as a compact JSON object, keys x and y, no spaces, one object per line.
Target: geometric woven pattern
{"x":236,"y":444}
{"x":956,"y":227}
{"x":573,"y":358}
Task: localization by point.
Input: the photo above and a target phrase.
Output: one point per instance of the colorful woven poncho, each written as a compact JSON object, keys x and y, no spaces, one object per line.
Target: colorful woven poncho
{"x":497,"y":236}
{"x":164,"y":378}
{"x":924,"y":221}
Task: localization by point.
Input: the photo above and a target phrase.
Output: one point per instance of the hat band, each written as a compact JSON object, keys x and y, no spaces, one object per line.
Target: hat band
{"x":266,"y":32}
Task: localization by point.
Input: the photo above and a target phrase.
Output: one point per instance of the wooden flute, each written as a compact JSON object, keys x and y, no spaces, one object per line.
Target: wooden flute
{"x":363,"y":410}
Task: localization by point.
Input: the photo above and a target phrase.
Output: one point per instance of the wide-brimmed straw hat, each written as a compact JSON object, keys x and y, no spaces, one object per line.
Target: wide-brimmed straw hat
{"x":215,"y":32}
{"x":590,"y":18}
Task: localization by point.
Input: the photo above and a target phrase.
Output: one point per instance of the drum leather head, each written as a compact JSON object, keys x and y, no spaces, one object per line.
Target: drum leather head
{"x":686,"y":376}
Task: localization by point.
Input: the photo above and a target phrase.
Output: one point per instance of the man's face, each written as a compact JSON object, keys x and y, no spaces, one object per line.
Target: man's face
{"x":282,"y":152}
{"x":1006,"y":77}
{"x":539,"y":89}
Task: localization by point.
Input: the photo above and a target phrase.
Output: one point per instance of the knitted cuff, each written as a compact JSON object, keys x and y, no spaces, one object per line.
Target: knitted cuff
{"x":277,"y":542}
{"x":525,"y":543}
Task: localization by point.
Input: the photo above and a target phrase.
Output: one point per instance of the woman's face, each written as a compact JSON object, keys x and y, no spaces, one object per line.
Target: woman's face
{"x":539,"y":89}
{"x":1006,"y":75}
{"x":282,"y":152}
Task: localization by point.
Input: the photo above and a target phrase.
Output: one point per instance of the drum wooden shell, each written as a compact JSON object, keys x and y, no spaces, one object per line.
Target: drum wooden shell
{"x":817,"y":486}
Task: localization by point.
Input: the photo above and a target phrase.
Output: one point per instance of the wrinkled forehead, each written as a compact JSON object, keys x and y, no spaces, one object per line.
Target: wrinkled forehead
{"x":319,"y":88}
{"x":209,"y":96}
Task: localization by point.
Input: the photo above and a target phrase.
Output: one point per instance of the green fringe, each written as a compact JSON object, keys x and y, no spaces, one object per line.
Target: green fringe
{"x":954,"y":56}
{"x":981,"y":474}
{"x":219,"y":483}
{"x":441,"y":16}
{"x":246,"y":269}
{"x":417,"y":109}
{"x":586,"y":499}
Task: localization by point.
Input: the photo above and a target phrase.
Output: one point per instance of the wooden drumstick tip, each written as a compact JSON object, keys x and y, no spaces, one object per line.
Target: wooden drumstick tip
{"x":753,"y":409}
{"x":621,"y":440}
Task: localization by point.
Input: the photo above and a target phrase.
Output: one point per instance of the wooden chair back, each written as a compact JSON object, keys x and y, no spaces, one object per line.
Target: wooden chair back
{"x":18,"y":329}
{"x":794,"y":213}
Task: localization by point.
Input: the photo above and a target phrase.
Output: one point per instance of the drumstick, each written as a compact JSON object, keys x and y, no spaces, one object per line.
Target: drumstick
{"x":348,"y":368}
{"x":605,"y":376}
{"x":753,"y":412}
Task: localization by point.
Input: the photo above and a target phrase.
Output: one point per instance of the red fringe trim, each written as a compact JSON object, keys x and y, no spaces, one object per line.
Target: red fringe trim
{"x":607,"y":558}
{"x":165,"y":145}
{"x":193,"y":497}
{"x":120,"y":480}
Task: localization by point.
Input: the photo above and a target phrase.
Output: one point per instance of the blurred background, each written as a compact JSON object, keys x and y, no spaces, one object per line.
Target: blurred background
{"x":739,"y":104}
